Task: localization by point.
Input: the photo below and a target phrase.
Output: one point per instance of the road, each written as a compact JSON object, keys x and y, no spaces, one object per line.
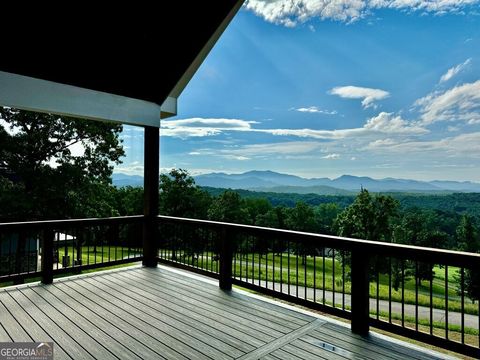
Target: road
{"x":454,"y":318}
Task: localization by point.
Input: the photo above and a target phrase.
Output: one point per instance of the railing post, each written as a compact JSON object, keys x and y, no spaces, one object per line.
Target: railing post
{"x":360,"y":298}
{"x":150,"y":208}
{"x":226,"y":256}
{"x":47,"y":256}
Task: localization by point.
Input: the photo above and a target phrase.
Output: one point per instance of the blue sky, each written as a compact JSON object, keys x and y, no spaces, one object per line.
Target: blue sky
{"x":321,"y":89}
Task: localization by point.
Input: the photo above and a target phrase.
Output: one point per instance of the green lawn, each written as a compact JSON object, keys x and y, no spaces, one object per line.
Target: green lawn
{"x":258,"y":267}
{"x":92,"y":255}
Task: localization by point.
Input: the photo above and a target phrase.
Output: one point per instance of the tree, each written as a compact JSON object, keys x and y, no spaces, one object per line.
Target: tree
{"x":467,"y":238}
{"x":418,"y":227}
{"x":228,"y":207}
{"x":370,"y":218}
{"x":179,"y":196}
{"x":325,"y":215}
{"x":56,"y":164}
{"x":302,"y":218}
{"x":256,"y":208}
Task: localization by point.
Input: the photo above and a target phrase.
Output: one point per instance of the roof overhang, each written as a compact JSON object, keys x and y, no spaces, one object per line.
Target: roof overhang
{"x":127,"y":65}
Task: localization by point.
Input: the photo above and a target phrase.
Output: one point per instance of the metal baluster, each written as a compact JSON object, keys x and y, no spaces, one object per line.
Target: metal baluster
{"x":462,"y":290}
{"x":288,"y":266}
{"x":296,"y":271}
{"x":390,"y":290}
{"x":323,"y":275}
{"x":377,"y":278}
{"x":314,"y":277}
{"x":446,"y":302}
{"x":416,"y":295}
{"x":333,"y":277}
{"x":403,"y":293}
{"x":431,"y":303}
{"x":343,"y":280}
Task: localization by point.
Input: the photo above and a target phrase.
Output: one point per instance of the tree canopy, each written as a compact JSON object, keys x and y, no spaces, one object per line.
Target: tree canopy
{"x":55,"y":167}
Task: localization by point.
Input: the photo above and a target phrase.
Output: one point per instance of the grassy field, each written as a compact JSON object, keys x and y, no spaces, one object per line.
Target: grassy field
{"x":275,"y":268}
{"x":90,"y":255}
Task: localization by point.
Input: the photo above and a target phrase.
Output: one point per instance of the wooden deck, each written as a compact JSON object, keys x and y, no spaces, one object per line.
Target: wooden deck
{"x":140,"y":313}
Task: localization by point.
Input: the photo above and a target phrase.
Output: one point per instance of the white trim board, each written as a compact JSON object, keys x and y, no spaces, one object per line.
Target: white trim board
{"x":28,"y":93}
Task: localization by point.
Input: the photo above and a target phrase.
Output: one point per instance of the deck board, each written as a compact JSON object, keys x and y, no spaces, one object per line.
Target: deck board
{"x":140,"y":313}
{"x":205,"y":330}
{"x":107,"y":323}
{"x":269,"y":324}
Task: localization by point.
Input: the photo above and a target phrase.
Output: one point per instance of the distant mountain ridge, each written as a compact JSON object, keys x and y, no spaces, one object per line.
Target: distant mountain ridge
{"x":277,"y":182}
{"x":284,"y":183}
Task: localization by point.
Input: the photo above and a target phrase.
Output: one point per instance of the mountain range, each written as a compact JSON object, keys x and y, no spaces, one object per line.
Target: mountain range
{"x":346,"y":184}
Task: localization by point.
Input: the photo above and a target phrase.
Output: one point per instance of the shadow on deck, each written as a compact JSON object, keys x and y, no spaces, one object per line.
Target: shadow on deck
{"x":166,"y":313}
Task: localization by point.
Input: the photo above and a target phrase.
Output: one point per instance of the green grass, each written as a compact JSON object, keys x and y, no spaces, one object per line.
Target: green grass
{"x":254,"y":266}
{"x":90,"y":255}
{"x":410,"y":322}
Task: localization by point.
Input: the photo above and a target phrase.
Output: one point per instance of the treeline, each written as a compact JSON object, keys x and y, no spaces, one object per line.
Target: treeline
{"x":451,"y":203}
{"x":371,"y":217}
{"x":367,"y":216}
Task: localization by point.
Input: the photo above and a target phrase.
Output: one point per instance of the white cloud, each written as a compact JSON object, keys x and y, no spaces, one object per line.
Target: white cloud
{"x":461,"y":146}
{"x":200,"y":127}
{"x":383,"y":123}
{"x":368,"y":95}
{"x":315,"y":110}
{"x":194,"y":153}
{"x":130,"y":169}
{"x":235,"y":157}
{"x":289,"y":13}
{"x":353,"y":158}
{"x":288,"y":148}
{"x":453,"y":128}
{"x":455,"y":70}
{"x":388,"y":123}
{"x":331,"y":156}
{"x":458,"y":103}
{"x":381,"y":143}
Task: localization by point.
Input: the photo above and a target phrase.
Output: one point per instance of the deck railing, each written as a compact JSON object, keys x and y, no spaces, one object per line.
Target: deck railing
{"x":421,"y":293}
{"x":42,"y":249}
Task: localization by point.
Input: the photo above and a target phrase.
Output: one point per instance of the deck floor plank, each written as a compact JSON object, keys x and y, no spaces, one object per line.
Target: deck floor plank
{"x":178,"y":338}
{"x":108,"y":323}
{"x":303,"y":354}
{"x":60,"y":337}
{"x":235,"y":346}
{"x":318,"y":351}
{"x":141,"y":335}
{"x":161,"y":313}
{"x":270,"y":325}
{"x":34,"y":330}
{"x":271,"y":331}
{"x":10,"y":323}
{"x":170,"y":343}
{"x":255,"y":307}
{"x":243,"y":329}
{"x":377,"y":343}
{"x":152,"y":309}
{"x":353,"y":343}
{"x":246,"y":341}
{"x":84,"y":338}
{"x":283,"y":355}
{"x":85,"y":325}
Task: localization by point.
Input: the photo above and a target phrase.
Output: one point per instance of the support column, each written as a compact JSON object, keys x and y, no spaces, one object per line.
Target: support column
{"x":150,"y":203}
{"x":360,"y":292}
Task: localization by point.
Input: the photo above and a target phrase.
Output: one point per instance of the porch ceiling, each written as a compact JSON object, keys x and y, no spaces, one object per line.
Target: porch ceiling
{"x":141,"y":52}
